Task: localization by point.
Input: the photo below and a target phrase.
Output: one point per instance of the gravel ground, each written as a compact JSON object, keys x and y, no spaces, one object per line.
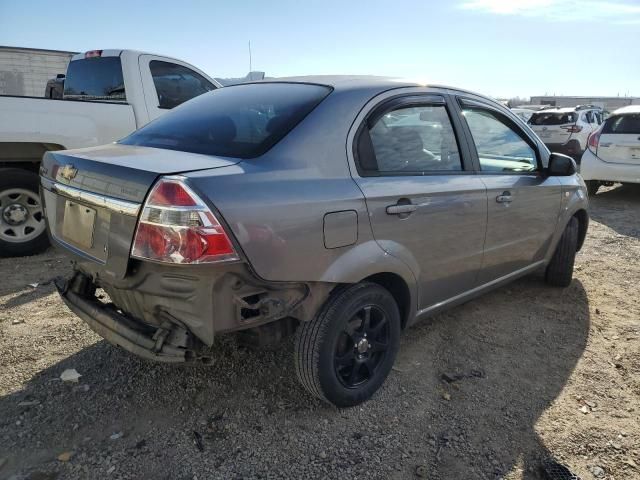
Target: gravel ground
{"x":531,"y":372}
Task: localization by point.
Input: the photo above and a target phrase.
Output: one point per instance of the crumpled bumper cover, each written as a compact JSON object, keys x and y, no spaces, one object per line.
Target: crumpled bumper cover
{"x":106,"y":321}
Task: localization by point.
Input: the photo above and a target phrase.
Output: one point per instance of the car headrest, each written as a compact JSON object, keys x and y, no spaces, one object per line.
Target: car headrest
{"x":222,"y":129}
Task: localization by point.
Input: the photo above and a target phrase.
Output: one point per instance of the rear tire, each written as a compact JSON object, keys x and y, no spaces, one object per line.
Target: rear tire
{"x":559,"y":272}
{"x":346,"y":352}
{"x":592,"y":187}
{"x":22,"y":223}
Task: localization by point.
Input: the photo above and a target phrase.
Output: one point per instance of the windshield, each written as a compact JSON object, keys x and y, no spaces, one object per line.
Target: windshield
{"x":243,"y":121}
{"x":97,"y":78}
{"x":552,"y":118}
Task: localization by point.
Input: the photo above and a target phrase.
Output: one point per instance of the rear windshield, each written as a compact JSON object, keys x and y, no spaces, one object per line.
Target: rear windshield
{"x":243,"y":121}
{"x":98,"y":78}
{"x":629,"y":123}
{"x":552,"y":118}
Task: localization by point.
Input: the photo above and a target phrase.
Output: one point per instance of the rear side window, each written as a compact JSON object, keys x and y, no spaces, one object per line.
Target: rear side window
{"x":628,"y":123}
{"x":175,"y":84}
{"x":98,"y":78}
{"x":412,"y":140}
{"x":242,"y":121}
{"x":552,"y":118}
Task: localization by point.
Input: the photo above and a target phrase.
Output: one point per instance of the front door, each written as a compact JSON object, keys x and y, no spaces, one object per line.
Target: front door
{"x":523,"y":204}
{"x":425,"y":204}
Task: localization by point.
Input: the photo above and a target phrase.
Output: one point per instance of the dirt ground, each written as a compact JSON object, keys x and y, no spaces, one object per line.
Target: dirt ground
{"x":534,"y":372}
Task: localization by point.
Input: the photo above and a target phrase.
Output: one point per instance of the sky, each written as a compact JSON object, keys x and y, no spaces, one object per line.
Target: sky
{"x":496,"y":47}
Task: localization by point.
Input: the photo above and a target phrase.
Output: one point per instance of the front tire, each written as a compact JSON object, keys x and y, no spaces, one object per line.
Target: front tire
{"x":346,"y":352}
{"x":559,"y":272}
{"x":592,"y":187}
{"x":22,"y":223}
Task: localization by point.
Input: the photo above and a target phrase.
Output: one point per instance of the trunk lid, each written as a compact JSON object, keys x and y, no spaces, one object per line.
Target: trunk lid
{"x":552,"y":127}
{"x":93,"y":196}
{"x":620,"y":139}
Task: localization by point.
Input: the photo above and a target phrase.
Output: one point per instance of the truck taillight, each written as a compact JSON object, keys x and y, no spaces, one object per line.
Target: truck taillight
{"x":176,"y":226}
{"x":573,"y":128}
{"x":93,"y":54}
{"x":593,"y":140}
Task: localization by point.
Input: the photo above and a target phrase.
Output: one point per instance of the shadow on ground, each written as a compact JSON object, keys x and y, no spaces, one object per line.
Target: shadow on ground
{"x":510,"y":354}
{"x":612,"y":208}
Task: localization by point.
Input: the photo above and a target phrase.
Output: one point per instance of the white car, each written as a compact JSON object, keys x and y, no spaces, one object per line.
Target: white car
{"x":614,"y":150}
{"x":523,"y":113}
{"x":566,"y":130}
{"x":107,"y":95}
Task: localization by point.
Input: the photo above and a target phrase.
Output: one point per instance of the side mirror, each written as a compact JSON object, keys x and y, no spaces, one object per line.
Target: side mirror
{"x":561,"y":165}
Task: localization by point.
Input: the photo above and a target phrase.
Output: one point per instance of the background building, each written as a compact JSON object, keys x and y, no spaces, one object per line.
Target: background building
{"x":25,"y":71}
{"x":608,"y":103}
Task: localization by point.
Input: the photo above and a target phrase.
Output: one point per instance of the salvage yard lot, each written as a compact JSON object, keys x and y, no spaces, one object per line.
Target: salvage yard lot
{"x":486,"y":390}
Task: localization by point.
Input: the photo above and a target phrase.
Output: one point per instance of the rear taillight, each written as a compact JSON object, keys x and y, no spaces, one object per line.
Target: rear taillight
{"x":177,"y":227}
{"x":573,"y":128}
{"x":593,"y":140}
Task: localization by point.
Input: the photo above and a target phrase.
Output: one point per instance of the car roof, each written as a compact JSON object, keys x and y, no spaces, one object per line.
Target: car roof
{"x":558,"y":110}
{"x":357,"y":82}
{"x":627,"y":109}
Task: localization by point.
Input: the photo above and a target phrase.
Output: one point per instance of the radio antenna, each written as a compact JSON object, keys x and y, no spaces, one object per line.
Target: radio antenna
{"x":249,"y":55}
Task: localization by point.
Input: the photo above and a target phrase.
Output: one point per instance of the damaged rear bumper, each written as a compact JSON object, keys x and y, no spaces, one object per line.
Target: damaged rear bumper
{"x":171,"y":315}
{"x":119,"y":330}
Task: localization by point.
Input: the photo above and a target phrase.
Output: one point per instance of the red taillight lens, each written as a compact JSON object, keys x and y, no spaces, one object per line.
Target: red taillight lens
{"x":177,"y":227}
{"x":594,"y":139}
{"x":573,"y":128}
{"x":169,"y":193}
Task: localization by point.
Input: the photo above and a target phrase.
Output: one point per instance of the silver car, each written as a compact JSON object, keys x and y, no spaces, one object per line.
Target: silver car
{"x":343,"y":209}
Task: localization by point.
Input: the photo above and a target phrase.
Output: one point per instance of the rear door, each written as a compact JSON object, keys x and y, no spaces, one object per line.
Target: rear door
{"x":169,"y":83}
{"x":523,"y":204}
{"x":426,"y":205}
{"x":553,"y":127}
{"x":620,"y":139}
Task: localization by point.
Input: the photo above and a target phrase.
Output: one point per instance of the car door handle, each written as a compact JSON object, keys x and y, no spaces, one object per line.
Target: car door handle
{"x":504,"y":198}
{"x":401,"y":209}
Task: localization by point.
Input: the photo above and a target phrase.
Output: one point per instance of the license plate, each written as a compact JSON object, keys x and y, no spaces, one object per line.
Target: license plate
{"x":78,"y":224}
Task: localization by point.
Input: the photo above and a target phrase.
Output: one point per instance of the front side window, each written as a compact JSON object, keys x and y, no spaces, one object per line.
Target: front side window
{"x":176,"y":84}
{"x":98,"y":78}
{"x":500,"y":148}
{"x":414,"y":140}
{"x":242,"y":121}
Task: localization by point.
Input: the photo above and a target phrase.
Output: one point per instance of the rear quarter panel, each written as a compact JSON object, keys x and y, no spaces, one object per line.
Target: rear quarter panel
{"x":275,"y":204}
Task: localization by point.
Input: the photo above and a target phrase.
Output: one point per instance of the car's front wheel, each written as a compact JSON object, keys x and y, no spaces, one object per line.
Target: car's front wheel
{"x":592,"y":187}
{"x":345,"y":353}
{"x":22,"y":223}
{"x":559,"y":272}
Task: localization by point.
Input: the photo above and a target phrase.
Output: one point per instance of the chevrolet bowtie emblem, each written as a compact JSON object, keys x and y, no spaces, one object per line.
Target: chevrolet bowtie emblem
{"x":68,"y":172}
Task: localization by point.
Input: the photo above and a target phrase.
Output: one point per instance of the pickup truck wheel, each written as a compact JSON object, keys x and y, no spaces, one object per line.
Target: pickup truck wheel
{"x":346,"y":352}
{"x":22,"y":223}
{"x":559,"y":272}
{"x":592,"y":187}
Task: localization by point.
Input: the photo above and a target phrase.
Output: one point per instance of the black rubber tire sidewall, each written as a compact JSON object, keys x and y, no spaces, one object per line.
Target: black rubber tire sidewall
{"x":18,"y":178}
{"x":338,"y":310}
{"x":559,"y":272}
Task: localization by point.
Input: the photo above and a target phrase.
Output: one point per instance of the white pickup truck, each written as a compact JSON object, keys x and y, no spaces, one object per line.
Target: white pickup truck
{"x":107,"y":95}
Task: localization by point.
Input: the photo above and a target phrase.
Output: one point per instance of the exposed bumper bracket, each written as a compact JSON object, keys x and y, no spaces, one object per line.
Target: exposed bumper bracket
{"x":119,"y":330}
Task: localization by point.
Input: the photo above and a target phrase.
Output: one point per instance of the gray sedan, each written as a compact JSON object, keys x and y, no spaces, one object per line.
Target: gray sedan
{"x":341,"y":209}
